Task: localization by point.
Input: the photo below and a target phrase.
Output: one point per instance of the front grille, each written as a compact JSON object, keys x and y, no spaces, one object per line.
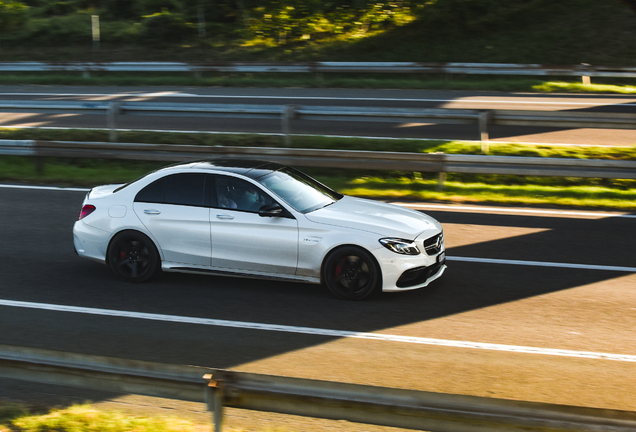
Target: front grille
{"x":434,"y":245}
{"x":417,"y":275}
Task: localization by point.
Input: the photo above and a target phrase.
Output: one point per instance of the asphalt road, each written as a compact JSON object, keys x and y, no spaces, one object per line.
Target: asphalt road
{"x":329,"y":97}
{"x":528,"y":304}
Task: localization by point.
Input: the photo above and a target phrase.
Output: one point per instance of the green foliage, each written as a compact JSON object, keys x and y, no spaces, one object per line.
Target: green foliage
{"x":13,"y":14}
{"x":59,"y":8}
{"x":495,"y":31}
{"x":302,"y":20}
{"x":510,"y":190}
{"x":218,"y":11}
{"x":472,"y":15}
{"x":548,"y":87}
{"x":119,"y":32}
{"x":9,"y":411}
{"x":147,"y":7}
{"x":80,"y":418}
{"x":120,"y":9}
{"x":57,"y":30}
{"x":165,"y":27}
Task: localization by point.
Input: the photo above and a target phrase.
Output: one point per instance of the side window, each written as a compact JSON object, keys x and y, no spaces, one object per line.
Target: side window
{"x":185,"y":189}
{"x":178,"y":189}
{"x":233,"y":193}
{"x":153,"y":193}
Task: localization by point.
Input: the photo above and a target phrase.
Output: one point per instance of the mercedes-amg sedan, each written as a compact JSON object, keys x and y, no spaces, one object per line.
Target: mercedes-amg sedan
{"x":257,"y":219}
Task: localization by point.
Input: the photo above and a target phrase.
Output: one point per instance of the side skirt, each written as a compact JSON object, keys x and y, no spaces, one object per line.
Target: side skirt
{"x":180,"y":268}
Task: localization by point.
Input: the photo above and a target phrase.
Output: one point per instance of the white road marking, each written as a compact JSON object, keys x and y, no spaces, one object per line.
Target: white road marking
{"x":512,"y":210}
{"x":542,"y":264}
{"x":320,"y":332}
{"x":321,"y":98}
{"x":44,"y":188}
{"x":312,"y":135}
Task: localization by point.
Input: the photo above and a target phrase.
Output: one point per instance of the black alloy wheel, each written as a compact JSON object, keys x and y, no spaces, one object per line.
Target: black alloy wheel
{"x":133,"y":256}
{"x":351,"y":273}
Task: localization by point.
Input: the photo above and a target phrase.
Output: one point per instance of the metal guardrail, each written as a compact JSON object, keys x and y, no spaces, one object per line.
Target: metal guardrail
{"x":382,"y":406}
{"x":583,"y":70}
{"x":372,"y":160}
{"x":481,"y":118}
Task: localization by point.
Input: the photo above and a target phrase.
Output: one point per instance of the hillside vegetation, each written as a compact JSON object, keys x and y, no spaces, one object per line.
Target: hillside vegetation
{"x":514,"y":31}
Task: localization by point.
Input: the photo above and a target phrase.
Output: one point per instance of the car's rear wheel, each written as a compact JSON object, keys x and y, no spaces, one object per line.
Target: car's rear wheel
{"x":351,"y":273}
{"x":133,"y":256}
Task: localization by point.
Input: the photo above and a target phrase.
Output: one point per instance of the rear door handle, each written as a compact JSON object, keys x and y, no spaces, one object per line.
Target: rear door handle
{"x":152,"y":212}
{"x":224,"y":217}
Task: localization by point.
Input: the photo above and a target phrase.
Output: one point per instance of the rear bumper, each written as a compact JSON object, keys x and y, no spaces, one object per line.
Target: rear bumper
{"x":90,"y":242}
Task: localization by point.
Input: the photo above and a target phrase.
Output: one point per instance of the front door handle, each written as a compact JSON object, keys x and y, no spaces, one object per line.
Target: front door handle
{"x":152,"y":212}
{"x":224,"y":217}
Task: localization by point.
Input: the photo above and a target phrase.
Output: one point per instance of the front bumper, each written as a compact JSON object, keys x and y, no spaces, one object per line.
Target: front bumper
{"x":420,"y":276}
{"x":408,"y":272}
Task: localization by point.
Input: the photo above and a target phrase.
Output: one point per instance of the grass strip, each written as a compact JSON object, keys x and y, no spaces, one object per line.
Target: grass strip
{"x":507,"y":190}
{"x":87,"y":418}
{"x":495,"y":189}
{"x":321,"y":142}
{"x":365,"y":81}
{"x":568,"y":87}
{"x":581,"y":196}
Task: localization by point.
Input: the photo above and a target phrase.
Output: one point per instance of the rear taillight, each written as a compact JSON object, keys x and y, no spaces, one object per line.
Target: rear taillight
{"x":86,"y":210}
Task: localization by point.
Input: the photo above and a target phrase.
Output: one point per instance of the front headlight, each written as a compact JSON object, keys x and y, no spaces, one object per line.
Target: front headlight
{"x":401,"y":246}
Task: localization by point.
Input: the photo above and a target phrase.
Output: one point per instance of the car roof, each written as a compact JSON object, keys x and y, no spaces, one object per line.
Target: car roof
{"x":251,"y":168}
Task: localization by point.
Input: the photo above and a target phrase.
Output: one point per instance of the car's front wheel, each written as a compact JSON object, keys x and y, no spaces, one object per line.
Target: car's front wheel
{"x":133,"y":256}
{"x":351,"y":273}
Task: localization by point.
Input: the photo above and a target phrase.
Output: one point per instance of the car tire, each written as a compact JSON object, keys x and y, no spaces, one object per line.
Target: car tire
{"x":133,"y":257}
{"x":351,"y":273}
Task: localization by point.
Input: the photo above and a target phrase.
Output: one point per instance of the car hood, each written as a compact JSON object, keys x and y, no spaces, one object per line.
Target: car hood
{"x":377,"y":217}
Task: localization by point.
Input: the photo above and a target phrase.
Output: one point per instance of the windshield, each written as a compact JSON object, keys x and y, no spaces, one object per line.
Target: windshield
{"x":299,"y":190}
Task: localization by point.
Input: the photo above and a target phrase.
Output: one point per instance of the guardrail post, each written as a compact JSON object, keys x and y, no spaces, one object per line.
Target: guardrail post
{"x":288,"y":114}
{"x":39,"y":160}
{"x":214,"y":400}
{"x":441,"y":178}
{"x":484,"y":119}
{"x":114,"y":108}
{"x":586,"y":78}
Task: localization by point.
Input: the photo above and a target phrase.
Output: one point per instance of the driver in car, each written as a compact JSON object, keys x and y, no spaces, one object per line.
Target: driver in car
{"x":251,"y":199}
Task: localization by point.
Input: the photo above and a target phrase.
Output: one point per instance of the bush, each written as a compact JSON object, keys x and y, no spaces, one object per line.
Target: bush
{"x":165,"y":27}
{"x":471,"y":15}
{"x":57,"y":30}
{"x":303,"y":20}
{"x":119,"y":32}
{"x":135,"y":9}
{"x":12,"y":15}
{"x":120,"y":9}
{"x":59,"y":8}
{"x":147,"y":7}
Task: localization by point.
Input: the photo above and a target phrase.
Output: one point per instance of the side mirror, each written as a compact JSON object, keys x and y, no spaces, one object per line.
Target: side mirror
{"x":271,"y":210}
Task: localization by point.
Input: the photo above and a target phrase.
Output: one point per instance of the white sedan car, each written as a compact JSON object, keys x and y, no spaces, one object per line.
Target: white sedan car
{"x":257,"y":219}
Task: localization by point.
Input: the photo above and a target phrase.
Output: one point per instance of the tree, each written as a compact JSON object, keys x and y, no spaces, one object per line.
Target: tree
{"x":630,"y":3}
{"x":12,"y":14}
